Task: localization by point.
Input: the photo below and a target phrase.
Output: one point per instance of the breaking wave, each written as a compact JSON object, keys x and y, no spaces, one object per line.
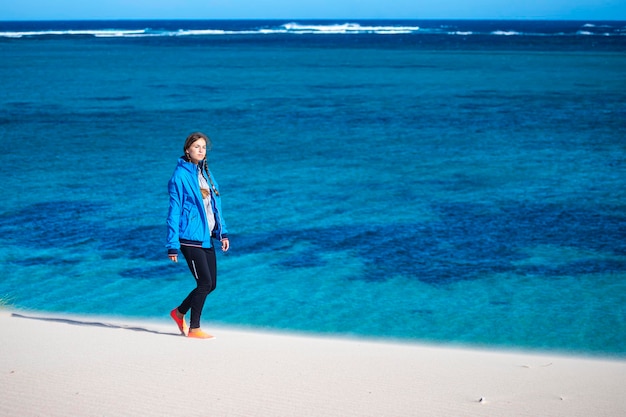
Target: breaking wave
{"x":233,"y":28}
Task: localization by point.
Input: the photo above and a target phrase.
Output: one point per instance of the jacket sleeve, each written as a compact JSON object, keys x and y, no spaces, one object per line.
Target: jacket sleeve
{"x":223,"y":229}
{"x":173,"y":216}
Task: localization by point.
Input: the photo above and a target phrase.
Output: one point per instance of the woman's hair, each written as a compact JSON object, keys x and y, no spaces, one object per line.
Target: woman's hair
{"x":204,"y":165}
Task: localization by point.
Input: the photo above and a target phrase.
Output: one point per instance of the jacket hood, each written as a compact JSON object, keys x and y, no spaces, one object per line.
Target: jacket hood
{"x":189,"y":166}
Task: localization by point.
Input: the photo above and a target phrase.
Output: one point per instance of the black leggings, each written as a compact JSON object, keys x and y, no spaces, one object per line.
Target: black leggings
{"x":203,"y":266}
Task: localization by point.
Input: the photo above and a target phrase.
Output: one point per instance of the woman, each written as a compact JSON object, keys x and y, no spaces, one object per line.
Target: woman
{"x":194,"y":218}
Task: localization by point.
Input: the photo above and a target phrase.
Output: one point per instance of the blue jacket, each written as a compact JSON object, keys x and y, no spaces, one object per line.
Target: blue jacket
{"x":186,"y":219}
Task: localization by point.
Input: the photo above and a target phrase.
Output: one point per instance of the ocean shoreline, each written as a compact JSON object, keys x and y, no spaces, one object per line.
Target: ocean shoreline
{"x":117,"y":321}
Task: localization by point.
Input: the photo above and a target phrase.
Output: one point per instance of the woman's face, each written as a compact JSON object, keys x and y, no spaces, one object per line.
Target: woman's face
{"x":197,"y":151}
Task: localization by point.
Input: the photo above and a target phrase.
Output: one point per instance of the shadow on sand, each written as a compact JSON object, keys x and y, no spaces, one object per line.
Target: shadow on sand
{"x":93,"y":323}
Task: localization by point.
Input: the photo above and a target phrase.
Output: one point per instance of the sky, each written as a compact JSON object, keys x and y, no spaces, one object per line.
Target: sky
{"x":312,"y":9}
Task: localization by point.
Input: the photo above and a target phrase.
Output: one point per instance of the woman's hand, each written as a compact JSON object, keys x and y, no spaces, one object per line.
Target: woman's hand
{"x":173,"y":258}
{"x":225,"y":244}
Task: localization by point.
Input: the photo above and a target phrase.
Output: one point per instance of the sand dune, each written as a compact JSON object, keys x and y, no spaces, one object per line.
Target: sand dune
{"x":53,"y":365}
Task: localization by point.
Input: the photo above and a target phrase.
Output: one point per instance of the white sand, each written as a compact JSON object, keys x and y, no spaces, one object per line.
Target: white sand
{"x":53,"y":365}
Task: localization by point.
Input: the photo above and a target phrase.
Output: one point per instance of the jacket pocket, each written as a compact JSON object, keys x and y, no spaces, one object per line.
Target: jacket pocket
{"x":190,"y":222}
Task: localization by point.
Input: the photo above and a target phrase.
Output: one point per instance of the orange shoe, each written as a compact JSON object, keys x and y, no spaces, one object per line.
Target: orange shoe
{"x":199,"y":334}
{"x":182,"y":325}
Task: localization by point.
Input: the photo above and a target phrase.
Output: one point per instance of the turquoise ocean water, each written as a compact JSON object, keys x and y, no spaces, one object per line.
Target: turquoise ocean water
{"x":443,"y":181}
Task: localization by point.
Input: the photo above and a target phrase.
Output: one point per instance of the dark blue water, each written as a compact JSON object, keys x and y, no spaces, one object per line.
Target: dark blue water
{"x":451,"y":181}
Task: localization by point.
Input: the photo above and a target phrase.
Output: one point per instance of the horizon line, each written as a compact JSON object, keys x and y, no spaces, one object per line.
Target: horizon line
{"x":552,"y":19}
